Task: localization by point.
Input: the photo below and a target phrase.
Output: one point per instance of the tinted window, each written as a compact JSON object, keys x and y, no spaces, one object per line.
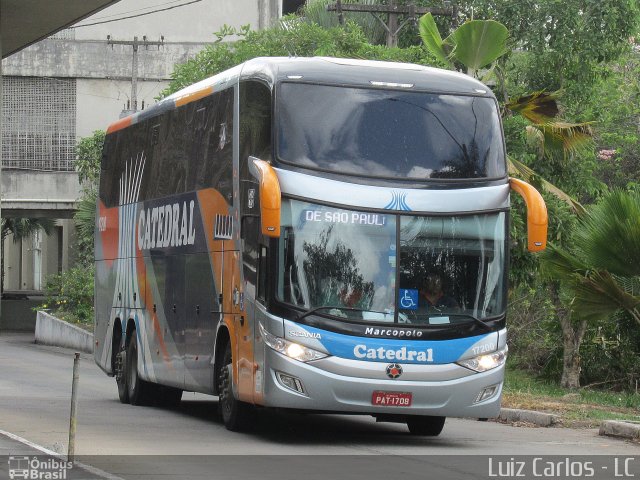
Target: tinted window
{"x":186,"y":149}
{"x":389,"y":133}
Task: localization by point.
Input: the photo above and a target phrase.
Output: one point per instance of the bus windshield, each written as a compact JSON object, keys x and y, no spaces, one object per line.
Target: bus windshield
{"x":384,"y":267}
{"x":389,"y":133}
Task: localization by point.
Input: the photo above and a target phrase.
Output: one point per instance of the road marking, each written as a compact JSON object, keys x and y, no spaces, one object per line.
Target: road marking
{"x":51,"y":453}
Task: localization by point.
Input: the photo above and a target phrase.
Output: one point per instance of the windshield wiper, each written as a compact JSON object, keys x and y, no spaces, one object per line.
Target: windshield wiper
{"x":331,"y":307}
{"x":474,"y":319}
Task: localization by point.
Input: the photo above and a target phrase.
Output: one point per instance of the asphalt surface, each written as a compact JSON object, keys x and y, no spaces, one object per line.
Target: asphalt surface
{"x":190,"y":441}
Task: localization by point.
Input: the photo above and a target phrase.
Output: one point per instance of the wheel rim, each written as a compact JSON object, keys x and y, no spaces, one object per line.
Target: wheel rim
{"x":133,"y":371}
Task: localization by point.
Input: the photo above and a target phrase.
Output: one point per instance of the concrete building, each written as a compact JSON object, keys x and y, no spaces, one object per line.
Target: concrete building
{"x":79,"y":80}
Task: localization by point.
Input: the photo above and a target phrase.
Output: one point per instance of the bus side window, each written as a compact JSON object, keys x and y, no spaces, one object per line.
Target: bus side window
{"x":262,"y":274}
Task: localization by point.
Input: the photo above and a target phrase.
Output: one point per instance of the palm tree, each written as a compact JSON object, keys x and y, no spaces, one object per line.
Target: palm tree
{"x":600,"y":272}
{"x":21,"y":228}
{"x":85,"y":218}
{"x":479,"y":44}
{"x":602,"y":268}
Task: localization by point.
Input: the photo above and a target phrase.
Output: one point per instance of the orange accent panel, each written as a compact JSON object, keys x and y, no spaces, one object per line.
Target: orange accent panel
{"x":108,"y":227}
{"x":120,"y":124}
{"x":192,"y":97}
{"x":270,"y":199}
{"x":212,"y":203}
{"x":537,"y":218}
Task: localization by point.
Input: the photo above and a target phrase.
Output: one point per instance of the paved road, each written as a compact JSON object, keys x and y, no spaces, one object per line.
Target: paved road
{"x":34,"y":404}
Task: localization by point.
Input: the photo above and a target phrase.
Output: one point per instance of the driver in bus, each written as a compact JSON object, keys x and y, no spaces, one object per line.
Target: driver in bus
{"x":433,"y":297}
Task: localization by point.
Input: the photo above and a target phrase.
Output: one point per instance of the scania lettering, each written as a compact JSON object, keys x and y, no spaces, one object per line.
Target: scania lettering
{"x":316,"y":234}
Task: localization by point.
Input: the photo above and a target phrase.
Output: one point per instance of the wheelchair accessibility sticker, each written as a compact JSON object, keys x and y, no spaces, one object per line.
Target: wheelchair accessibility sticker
{"x":408,"y":299}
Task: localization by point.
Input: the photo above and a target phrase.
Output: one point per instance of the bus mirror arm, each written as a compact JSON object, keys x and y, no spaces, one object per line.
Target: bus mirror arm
{"x":537,"y":218}
{"x":270,"y":196}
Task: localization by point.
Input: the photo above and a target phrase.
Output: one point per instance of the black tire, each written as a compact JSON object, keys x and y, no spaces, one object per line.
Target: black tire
{"x":121,"y":376}
{"x":426,"y":426}
{"x":139,"y":391}
{"x":236,"y":415}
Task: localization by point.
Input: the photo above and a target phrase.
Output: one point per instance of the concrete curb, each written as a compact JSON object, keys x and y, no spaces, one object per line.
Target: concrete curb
{"x":616,"y":428}
{"x":58,"y":333}
{"x":529,"y":416}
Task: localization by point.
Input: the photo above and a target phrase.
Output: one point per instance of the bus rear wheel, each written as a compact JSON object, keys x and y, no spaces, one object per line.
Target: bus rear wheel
{"x":424,"y":425}
{"x":235,"y":414}
{"x":139,"y":391}
{"x":121,"y":376}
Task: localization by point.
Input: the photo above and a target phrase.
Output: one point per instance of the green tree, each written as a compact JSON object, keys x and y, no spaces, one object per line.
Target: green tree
{"x":600,"y":271}
{"x":88,"y":155}
{"x":564,"y":42}
{"x":301,"y":39}
{"x":315,"y":12}
{"x":70,"y":293}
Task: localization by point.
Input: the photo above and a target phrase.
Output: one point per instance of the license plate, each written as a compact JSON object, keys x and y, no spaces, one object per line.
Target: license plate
{"x":391,"y":399}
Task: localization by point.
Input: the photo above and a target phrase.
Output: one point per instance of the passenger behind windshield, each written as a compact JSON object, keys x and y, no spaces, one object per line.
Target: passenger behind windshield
{"x":433,"y":298}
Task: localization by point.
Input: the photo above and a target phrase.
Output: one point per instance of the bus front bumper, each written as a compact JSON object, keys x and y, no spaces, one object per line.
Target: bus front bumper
{"x":329,"y":391}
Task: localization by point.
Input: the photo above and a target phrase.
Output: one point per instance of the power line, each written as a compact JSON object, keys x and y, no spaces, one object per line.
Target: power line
{"x":134,"y":16}
{"x":104,"y":17}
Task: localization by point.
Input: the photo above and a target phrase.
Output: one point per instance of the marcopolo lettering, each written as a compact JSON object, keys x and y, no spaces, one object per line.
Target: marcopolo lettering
{"x":381,"y":353}
{"x":392,"y":332}
{"x":166,"y":226}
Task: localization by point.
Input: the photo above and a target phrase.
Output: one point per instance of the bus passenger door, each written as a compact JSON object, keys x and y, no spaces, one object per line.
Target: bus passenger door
{"x":243,"y":325}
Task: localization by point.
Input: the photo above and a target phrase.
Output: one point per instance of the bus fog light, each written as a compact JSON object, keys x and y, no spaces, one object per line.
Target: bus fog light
{"x":486,"y":393}
{"x":292,"y":383}
{"x":485,"y":362}
{"x":290,"y":349}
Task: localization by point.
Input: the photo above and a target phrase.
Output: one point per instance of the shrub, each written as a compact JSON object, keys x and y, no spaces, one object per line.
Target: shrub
{"x":69,"y":295}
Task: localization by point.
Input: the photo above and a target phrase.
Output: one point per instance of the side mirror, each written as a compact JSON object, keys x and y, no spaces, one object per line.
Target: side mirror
{"x":270,"y":196}
{"x":537,"y":219}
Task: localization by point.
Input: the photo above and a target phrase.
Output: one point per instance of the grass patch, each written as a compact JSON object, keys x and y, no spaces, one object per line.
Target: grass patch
{"x":584,"y":407}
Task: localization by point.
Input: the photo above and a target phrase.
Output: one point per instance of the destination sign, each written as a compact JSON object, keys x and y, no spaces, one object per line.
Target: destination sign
{"x":353,"y":218}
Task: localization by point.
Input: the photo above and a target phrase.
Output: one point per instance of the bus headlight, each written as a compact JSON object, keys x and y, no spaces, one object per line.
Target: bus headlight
{"x":290,"y":349}
{"x":487,"y":361}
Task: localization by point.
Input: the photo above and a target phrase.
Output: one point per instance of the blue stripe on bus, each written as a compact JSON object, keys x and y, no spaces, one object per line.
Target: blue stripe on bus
{"x":375,"y":349}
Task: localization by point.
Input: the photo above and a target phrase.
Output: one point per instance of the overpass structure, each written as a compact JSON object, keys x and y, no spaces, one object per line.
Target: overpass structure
{"x":38,"y":194}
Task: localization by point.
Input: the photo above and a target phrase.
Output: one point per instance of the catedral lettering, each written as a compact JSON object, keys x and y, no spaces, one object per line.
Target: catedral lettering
{"x":251,"y":253}
{"x":380,"y":353}
{"x":166,"y":226}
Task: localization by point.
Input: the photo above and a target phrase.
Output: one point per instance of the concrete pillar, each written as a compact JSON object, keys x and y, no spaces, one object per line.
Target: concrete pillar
{"x":37,"y":259}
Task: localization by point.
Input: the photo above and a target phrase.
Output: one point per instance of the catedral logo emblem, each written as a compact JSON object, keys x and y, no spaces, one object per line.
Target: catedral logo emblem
{"x":166,"y":226}
{"x":381,"y":353}
{"x":394,"y":370}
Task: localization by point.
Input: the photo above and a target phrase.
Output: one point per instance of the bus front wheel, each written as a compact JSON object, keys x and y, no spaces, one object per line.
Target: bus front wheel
{"x":426,"y":426}
{"x":235,"y":414}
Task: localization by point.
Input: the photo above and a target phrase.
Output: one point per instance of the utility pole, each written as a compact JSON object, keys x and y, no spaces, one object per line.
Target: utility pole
{"x":392,"y":26}
{"x":133,"y":105}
